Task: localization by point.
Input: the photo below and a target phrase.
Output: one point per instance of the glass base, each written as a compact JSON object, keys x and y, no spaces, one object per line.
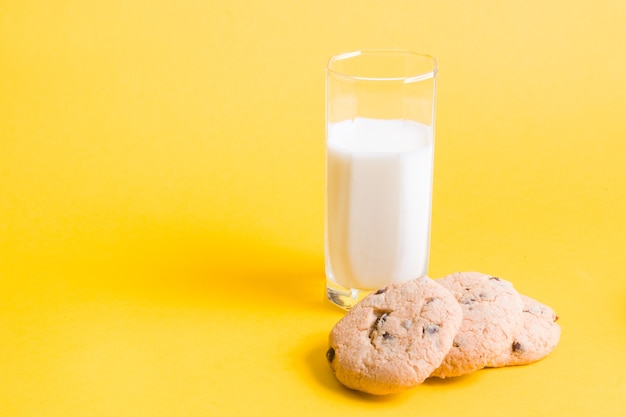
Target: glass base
{"x":342,"y":297}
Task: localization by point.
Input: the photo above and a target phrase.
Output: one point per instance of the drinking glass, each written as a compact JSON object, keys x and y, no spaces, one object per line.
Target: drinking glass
{"x":380,"y":117}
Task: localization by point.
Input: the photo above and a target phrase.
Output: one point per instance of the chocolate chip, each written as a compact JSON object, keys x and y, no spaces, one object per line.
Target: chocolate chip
{"x":330,"y":354}
{"x":380,"y":321}
{"x":378,"y":324}
{"x":456,"y":344}
{"x":431,"y":329}
{"x":380,"y":291}
{"x":387,"y":336}
{"x":483,"y":295}
{"x":468,"y":300}
{"x":496,"y":278}
{"x":517,"y":347}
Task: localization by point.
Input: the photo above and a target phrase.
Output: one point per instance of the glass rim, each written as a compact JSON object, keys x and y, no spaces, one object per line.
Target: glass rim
{"x":418,"y":76}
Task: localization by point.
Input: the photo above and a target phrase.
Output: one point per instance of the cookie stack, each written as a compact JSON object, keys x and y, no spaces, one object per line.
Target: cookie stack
{"x":400,"y":335}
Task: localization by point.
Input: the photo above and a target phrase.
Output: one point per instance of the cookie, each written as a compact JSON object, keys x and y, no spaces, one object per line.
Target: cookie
{"x":395,"y":337}
{"x":492,"y":313}
{"x":537,"y":336}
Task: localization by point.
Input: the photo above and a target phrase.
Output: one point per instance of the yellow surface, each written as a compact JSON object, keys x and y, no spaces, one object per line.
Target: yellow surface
{"x":161,"y":200}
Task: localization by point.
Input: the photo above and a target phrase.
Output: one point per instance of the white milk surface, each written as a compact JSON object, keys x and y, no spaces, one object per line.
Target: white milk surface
{"x":379,"y":186}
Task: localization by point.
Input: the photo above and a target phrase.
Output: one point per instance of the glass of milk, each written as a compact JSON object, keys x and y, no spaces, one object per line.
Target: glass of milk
{"x":380,"y":117}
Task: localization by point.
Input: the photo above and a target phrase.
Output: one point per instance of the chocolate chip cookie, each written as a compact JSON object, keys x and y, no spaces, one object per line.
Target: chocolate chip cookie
{"x":395,"y":337}
{"x":537,"y":336}
{"x":492,"y":313}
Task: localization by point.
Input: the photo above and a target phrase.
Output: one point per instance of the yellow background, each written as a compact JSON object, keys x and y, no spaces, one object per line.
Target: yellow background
{"x":162,"y":187}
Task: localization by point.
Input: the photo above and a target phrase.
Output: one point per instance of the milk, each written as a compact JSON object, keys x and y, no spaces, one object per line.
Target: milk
{"x":379,"y":186}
